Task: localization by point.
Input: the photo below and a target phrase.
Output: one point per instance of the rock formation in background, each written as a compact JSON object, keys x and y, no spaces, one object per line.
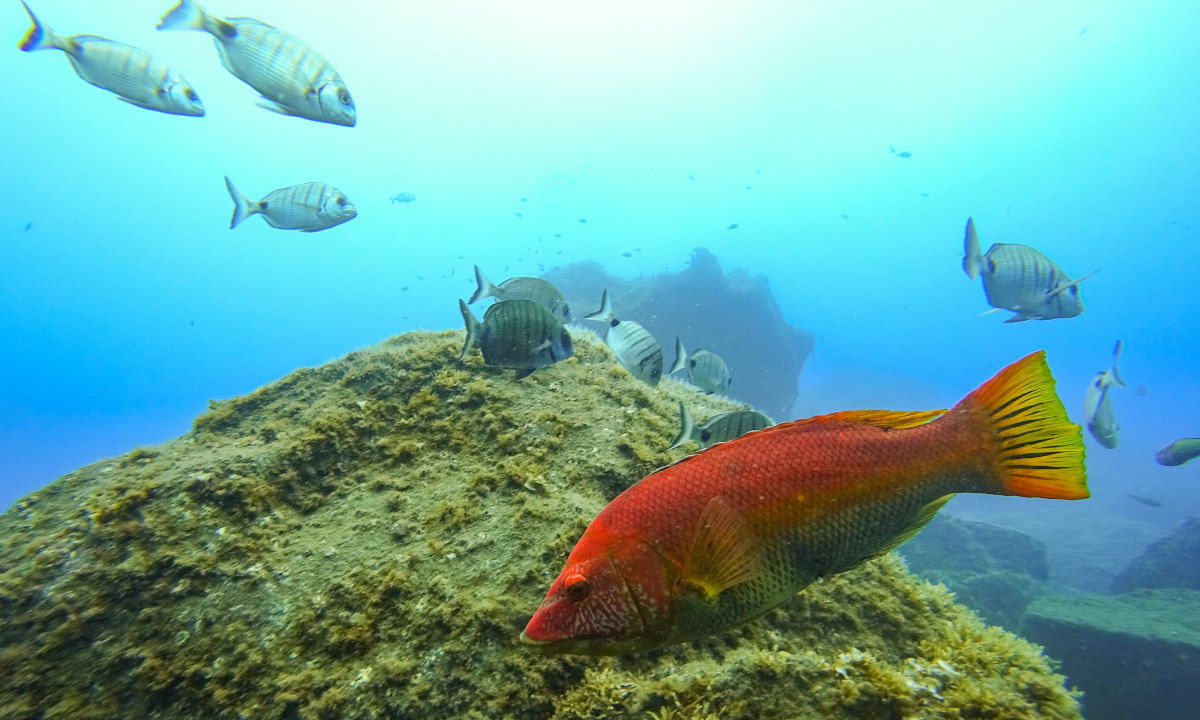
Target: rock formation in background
{"x":993,"y":570}
{"x":367,"y":538}
{"x":1173,"y":561}
{"x":733,"y":314}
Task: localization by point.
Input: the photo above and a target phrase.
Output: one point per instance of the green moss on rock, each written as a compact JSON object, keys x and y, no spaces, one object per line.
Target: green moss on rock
{"x":367,"y":538}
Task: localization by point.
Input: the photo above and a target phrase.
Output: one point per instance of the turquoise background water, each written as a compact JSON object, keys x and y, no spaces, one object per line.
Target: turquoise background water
{"x":1070,"y":126}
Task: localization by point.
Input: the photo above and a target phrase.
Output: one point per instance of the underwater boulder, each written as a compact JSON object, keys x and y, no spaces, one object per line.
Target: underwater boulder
{"x":733,"y":314}
{"x":1135,"y":655}
{"x":367,"y":538}
{"x":1159,"y":564}
{"x":994,"y":570}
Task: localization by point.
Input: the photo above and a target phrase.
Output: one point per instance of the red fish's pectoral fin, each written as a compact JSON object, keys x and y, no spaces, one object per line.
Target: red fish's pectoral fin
{"x":724,"y":552}
{"x":1038,"y":451}
{"x":885,"y":419}
{"x":921,"y":519}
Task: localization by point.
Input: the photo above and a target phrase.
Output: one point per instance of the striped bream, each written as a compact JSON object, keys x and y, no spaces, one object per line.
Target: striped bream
{"x":635,"y":348}
{"x":517,"y":334}
{"x":293,"y":78}
{"x":1022,"y":279}
{"x":309,"y":207}
{"x":136,"y":76}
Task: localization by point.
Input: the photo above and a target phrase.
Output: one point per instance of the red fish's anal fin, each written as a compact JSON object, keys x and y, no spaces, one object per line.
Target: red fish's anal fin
{"x":723,"y":553}
{"x":919,"y":521}
{"x":1038,"y":450}
{"x":885,"y":419}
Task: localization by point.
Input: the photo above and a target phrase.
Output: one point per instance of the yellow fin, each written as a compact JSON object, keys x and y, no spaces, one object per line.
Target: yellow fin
{"x":1039,"y":451}
{"x":886,"y":419}
{"x":921,"y":520}
{"x":724,"y":552}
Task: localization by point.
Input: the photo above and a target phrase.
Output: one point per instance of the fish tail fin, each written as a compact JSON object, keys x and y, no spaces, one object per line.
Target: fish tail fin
{"x":484,"y":288}
{"x":687,"y":427}
{"x":972,"y":257}
{"x":1036,"y":451}
{"x":1115,"y":373}
{"x":187,"y":15}
{"x":243,"y":207}
{"x":40,"y":36}
{"x":680,"y":356}
{"x":473,"y":327}
{"x":605,"y":313}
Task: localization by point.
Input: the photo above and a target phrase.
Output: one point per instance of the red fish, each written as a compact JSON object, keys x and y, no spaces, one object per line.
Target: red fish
{"x":731,"y":532}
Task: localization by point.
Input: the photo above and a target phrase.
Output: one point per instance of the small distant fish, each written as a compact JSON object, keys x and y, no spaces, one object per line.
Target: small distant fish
{"x":722,"y":537}
{"x":524,"y":199}
{"x":136,"y":76}
{"x":309,"y":207}
{"x":924,"y":194}
{"x":718,"y":428}
{"x":892,"y":149}
{"x":626,"y":254}
{"x":28,"y":225}
{"x":635,"y":348}
{"x":691,"y":177}
{"x":732,"y":227}
{"x":706,"y":369}
{"x":557,"y":235}
{"x":1141,"y":391}
{"x":583,"y":220}
{"x":1021,"y":279}
{"x":522,"y":288}
{"x":518,"y":214}
{"x":1147,"y":500}
{"x":1179,"y":452}
{"x":292,"y":77}
{"x":845,"y":216}
{"x":1097,"y":406}
{"x":904,"y":154}
{"x":517,"y":334}
{"x":1084,"y":31}
{"x":404,"y":197}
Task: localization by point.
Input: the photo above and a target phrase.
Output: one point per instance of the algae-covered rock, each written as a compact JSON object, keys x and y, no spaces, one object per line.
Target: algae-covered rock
{"x":367,"y":538}
{"x":734,"y":314}
{"x":993,"y":570}
{"x":1159,"y":565}
{"x":1135,"y":655}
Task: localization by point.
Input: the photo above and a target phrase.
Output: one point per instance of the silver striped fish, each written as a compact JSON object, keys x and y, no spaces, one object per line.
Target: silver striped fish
{"x":538,"y":290}
{"x":708,"y":371}
{"x":292,"y":77}
{"x":718,"y":428}
{"x":1022,"y":279}
{"x":635,"y":348}
{"x":310,"y":207}
{"x":1097,"y":405}
{"x":517,"y":334}
{"x":136,"y":76}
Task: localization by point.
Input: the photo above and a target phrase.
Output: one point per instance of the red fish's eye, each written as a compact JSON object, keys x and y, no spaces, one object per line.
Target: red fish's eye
{"x":576,"y":586}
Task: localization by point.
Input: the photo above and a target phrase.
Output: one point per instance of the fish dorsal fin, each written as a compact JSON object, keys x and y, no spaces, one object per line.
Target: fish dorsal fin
{"x":922,"y":518}
{"x":724,"y":552}
{"x":885,"y":419}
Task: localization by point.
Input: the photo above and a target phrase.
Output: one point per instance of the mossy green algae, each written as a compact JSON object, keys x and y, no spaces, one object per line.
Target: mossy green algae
{"x":366,"y":539}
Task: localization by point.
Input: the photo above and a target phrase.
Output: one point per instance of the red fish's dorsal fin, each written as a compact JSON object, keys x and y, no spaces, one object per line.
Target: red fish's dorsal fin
{"x":1038,"y":450}
{"x":885,"y":419}
{"x":724,"y":552}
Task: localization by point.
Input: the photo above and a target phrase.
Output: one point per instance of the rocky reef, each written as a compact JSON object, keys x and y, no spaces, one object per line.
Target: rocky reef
{"x":733,"y":314}
{"x":1135,"y":655}
{"x":366,"y":539}
{"x":993,"y":570}
{"x":1159,"y":564}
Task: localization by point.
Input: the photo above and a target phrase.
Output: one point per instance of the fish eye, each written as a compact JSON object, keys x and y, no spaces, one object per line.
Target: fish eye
{"x":341,"y":201}
{"x":1074,"y":290}
{"x":343,"y":96}
{"x":577,"y":587}
{"x":191,"y":94}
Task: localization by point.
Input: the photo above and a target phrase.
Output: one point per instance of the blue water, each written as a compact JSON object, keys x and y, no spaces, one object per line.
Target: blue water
{"x":1070,"y":126}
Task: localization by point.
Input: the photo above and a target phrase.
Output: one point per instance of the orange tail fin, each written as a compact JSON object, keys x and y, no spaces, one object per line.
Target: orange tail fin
{"x":1039,"y":451}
